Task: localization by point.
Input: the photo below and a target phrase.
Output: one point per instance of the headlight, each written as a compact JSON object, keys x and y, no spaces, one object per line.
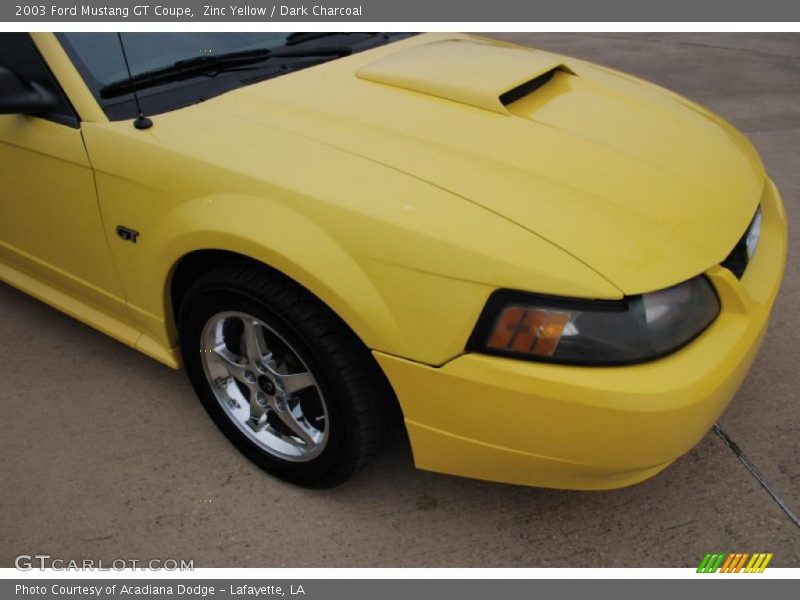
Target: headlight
{"x":634,"y":329}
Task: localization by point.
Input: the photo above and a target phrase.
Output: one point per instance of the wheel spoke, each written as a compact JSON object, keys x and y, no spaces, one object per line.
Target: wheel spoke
{"x":236,"y":400}
{"x":258,"y":413}
{"x":254,"y":343}
{"x":229,"y":361}
{"x":293,"y":418}
{"x":295,"y":382}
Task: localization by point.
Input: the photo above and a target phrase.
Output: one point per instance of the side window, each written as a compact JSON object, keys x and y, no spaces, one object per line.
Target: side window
{"x":19,"y":53}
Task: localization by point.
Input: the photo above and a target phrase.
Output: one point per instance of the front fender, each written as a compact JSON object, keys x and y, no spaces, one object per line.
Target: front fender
{"x":287,"y":241}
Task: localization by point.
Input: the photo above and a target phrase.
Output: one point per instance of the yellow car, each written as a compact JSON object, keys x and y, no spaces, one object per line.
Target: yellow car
{"x":558,"y":273}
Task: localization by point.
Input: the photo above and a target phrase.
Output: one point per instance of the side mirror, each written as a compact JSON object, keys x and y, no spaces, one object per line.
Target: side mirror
{"x":18,"y":97}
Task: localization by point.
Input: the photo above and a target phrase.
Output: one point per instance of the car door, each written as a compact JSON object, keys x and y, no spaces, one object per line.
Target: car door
{"x":52,"y":240}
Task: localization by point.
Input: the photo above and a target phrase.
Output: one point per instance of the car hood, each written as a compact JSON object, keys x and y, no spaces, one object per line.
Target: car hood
{"x":638,"y":183}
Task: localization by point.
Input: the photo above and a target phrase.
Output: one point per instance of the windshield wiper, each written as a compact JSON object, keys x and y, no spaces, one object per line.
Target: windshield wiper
{"x":211,"y":64}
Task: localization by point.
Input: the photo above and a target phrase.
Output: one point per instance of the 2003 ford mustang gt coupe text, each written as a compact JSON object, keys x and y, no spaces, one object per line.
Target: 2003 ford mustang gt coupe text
{"x":558,"y":273}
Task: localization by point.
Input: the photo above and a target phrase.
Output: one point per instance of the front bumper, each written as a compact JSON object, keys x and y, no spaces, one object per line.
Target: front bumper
{"x":591,"y":427}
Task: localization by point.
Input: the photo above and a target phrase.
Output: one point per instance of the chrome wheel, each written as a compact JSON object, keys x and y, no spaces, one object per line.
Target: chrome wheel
{"x":264,"y":386}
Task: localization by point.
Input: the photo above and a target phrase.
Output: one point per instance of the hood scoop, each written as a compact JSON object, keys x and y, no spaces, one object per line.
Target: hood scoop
{"x":480,"y":74}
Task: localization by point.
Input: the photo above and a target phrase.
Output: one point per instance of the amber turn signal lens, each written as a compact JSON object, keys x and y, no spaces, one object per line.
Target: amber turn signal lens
{"x":528,"y":330}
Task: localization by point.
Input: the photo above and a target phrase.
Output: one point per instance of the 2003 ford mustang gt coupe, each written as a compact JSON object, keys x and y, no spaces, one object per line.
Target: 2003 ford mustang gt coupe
{"x":558,"y":273}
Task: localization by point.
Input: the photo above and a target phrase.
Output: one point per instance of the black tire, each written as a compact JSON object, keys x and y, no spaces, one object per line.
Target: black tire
{"x":357,"y":394}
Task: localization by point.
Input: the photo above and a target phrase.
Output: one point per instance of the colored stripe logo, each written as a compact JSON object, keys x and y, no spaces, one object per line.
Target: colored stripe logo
{"x":738,"y":562}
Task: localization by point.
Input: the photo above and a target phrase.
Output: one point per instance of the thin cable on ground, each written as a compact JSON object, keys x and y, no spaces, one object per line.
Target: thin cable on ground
{"x":756,"y":473}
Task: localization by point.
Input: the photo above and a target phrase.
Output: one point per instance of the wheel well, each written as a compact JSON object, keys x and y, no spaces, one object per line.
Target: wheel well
{"x":195,"y":264}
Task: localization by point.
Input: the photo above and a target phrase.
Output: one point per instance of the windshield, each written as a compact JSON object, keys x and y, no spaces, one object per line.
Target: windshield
{"x":100,"y":61}
{"x":101,"y":55}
